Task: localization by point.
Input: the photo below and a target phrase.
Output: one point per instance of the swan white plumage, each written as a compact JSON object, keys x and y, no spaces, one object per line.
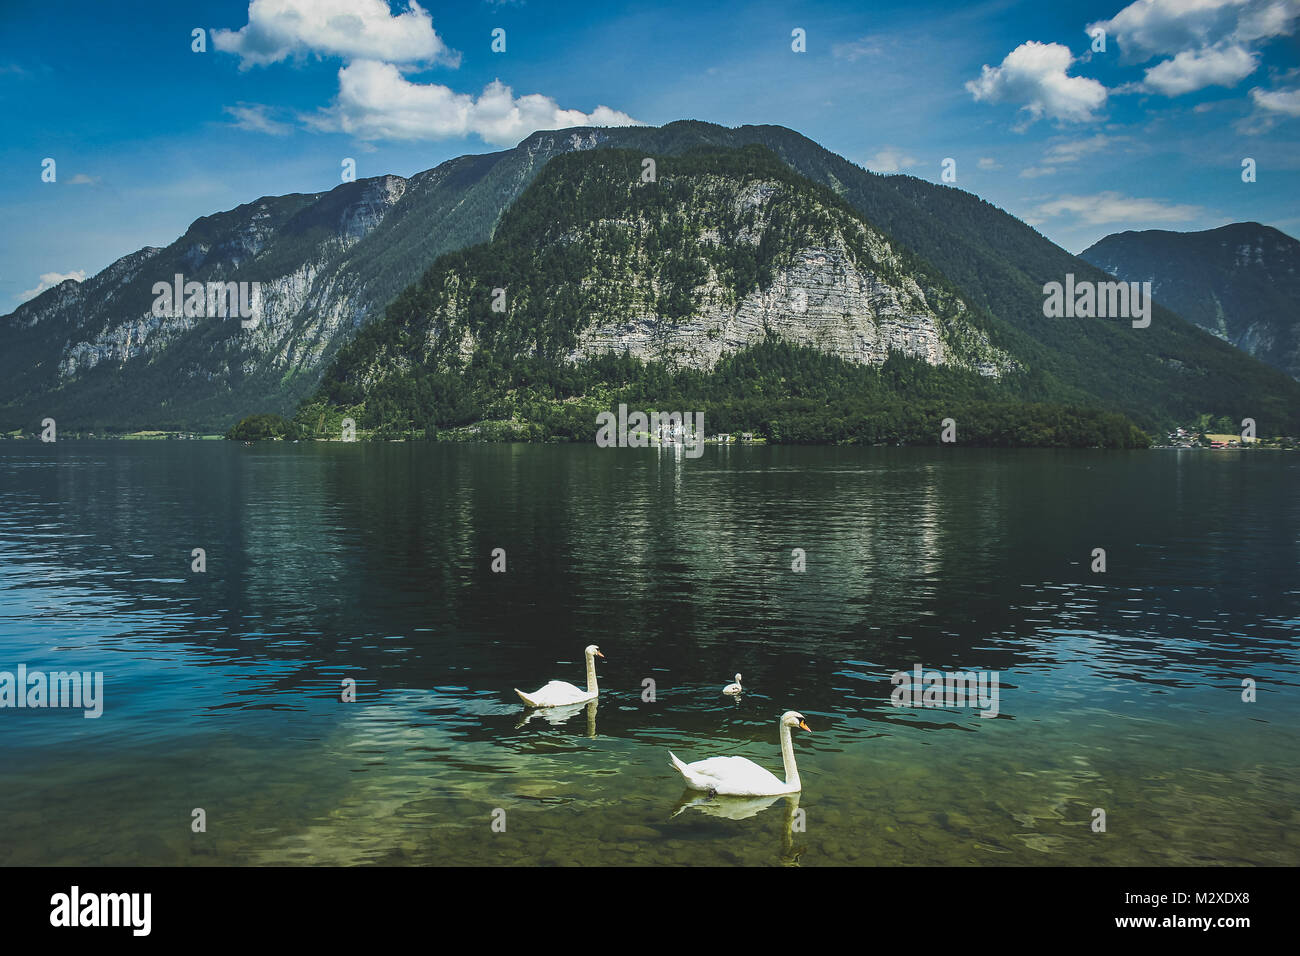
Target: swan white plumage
{"x":558,"y":693}
{"x":733,"y":689}
{"x":741,"y":777}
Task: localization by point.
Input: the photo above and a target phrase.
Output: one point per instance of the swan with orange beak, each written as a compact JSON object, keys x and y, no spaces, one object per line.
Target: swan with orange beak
{"x":558,"y":693}
{"x":741,"y":777}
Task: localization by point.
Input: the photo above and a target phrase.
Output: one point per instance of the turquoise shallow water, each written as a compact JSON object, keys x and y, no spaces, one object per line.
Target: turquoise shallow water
{"x":1119,"y":691}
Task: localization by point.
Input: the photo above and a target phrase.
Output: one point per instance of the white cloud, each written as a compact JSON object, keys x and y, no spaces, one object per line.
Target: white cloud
{"x":350,"y":29}
{"x":1208,"y":42}
{"x":1193,"y":70}
{"x":1148,"y":27}
{"x":1106,"y":208}
{"x":988,"y":162}
{"x":1065,"y":152}
{"x":890,"y":160}
{"x":1071,"y":151}
{"x":1034,"y":75}
{"x":1266,"y":19}
{"x":376,"y":102}
{"x":1153,"y":27}
{"x":81,"y":179}
{"x":1286,"y":102}
{"x":49,"y":280}
{"x":856,"y":49}
{"x":252,"y":116}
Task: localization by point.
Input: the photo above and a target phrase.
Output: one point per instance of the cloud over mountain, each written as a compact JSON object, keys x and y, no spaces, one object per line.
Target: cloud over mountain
{"x":376,"y":102}
{"x":1110,"y":206}
{"x":1035,"y":76}
{"x":49,"y":280}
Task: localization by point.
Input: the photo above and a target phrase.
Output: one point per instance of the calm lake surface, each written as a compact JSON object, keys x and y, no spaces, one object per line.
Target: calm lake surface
{"x":1119,"y":690}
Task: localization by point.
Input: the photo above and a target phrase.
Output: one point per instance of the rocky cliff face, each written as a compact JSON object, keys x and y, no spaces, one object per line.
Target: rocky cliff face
{"x":79,"y":341}
{"x":1239,"y":282}
{"x":308,"y":298}
{"x":823,"y":299}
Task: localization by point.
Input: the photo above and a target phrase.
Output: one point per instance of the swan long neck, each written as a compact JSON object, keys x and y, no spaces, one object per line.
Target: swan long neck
{"x":591,"y":674}
{"x":787,"y":758}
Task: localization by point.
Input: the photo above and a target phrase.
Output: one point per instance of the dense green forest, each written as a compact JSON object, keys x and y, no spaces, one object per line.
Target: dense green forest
{"x":781,"y":392}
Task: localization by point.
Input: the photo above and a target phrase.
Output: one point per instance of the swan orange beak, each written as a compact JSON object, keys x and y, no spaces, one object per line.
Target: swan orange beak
{"x":599,"y":654}
{"x":805,"y":726}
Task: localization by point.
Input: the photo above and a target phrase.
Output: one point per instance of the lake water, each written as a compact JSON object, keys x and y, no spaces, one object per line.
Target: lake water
{"x":1119,"y":690}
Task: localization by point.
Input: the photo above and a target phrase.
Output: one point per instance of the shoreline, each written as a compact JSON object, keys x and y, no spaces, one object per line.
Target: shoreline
{"x":1273,"y":445}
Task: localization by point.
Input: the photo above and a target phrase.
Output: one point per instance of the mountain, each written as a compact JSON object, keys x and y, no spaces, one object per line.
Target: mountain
{"x":1239,"y":282}
{"x":93,"y":354}
{"x":726,"y":276}
{"x":328,"y":263}
{"x":724,"y":249}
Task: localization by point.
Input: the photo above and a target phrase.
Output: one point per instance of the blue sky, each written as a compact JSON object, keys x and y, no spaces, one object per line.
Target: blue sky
{"x":148,"y":135}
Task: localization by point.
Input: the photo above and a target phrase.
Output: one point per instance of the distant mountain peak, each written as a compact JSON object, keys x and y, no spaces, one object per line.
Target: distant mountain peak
{"x":1240,"y":282}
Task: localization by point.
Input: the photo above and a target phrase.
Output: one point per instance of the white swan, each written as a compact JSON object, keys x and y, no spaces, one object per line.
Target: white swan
{"x":740,"y":777}
{"x":558,"y":692}
{"x":733,"y":689}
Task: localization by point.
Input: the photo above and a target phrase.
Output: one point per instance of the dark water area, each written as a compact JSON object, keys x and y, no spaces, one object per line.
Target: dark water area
{"x":1119,"y":691}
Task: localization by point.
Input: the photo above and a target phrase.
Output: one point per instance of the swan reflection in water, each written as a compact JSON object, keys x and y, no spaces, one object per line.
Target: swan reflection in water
{"x":743,"y":808}
{"x":555,"y":716}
